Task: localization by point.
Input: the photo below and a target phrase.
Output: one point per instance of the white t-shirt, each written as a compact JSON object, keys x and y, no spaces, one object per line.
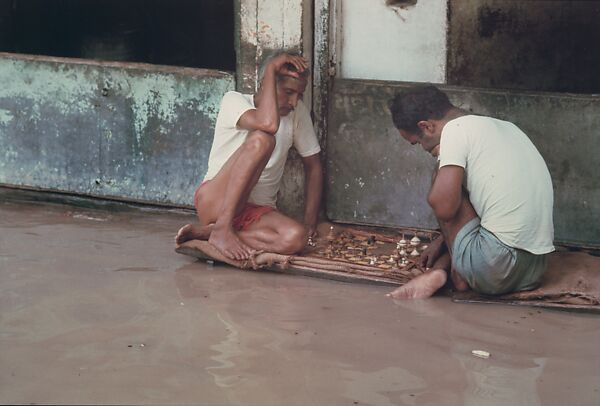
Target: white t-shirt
{"x":507,"y":179}
{"x":294,"y":129}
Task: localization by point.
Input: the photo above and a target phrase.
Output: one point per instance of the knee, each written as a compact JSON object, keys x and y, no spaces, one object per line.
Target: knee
{"x":294,"y":239}
{"x":260,"y":142}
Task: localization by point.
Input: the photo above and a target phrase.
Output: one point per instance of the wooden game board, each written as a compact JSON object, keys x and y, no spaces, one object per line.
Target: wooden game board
{"x":344,"y":253}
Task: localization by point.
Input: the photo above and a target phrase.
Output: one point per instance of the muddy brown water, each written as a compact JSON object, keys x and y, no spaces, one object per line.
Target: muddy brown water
{"x":97,"y":308}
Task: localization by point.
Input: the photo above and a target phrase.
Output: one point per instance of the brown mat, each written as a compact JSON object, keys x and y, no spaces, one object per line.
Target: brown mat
{"x":345,"y":253}
{"x":572,"y":282}
{"x":352,"y":254}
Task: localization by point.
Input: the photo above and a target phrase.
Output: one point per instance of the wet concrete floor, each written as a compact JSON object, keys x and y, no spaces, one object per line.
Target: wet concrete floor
{"x":96,"y":308}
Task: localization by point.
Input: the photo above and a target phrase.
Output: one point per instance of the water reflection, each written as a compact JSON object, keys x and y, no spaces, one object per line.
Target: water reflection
{"x":383,"y":387}
{"x":223,"y":373}
{"x":490,"y":382}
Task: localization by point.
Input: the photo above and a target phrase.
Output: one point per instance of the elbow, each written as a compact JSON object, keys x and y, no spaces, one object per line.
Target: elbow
{"x":443,"y":210}
{"x":443,"y":214}
{"x":269,"y":127}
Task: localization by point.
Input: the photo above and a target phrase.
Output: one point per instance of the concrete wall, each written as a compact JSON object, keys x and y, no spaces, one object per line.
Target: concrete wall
{"x":264,"y":26}
{"x":530,"y":45}
{"x":387,"y":42}
{"x":126,"y":131}
{"x":374,"y":177}
{"x":132,"y":131}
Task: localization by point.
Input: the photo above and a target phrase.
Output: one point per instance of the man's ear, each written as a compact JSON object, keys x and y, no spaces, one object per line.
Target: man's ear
{"x":425,"y":126}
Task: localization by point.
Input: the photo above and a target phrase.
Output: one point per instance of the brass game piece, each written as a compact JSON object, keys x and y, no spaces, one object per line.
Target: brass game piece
{"x":402,"y":243}
{"x":331,"y":234}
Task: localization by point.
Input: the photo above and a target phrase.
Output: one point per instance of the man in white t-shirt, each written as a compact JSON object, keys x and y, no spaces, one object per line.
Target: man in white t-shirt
{"x":492,"y":195}
{"x":236,"y":202}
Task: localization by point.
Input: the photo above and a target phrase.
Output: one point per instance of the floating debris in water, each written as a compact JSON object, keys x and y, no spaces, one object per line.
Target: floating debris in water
{"x":84,"y":217}
{"x":481,"y":354}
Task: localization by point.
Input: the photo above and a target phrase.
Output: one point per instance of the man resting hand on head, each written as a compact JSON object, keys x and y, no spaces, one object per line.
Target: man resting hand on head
{"x":236,"y":202}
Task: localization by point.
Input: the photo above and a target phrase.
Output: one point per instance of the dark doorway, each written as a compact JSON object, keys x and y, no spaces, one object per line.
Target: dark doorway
{"x":190,"y":33}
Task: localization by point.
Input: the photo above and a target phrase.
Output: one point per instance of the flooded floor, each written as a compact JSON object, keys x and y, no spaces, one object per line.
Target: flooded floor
{"x":96,"y":307}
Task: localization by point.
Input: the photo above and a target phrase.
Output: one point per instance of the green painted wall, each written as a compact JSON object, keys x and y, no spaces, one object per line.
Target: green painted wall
{"x":375,"y":177}
{"x":127,"y":131}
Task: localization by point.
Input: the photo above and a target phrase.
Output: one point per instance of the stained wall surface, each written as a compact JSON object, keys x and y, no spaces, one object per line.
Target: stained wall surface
{"x":529,"y":45}
{"x":375,"y":177}
{"x":127,"y":131}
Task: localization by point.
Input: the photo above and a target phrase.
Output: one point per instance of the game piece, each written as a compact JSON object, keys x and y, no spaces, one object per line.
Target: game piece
{"x":401,"y":243}
{"x":331,"y":235}
{"x":361,"y":252}
{"x":415,"y":241}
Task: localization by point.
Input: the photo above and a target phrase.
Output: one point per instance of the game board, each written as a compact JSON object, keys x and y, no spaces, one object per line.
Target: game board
{"x":390,"y":256}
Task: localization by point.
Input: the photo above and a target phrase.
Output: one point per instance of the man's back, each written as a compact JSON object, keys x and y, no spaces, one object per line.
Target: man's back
{"x":507,"y":179}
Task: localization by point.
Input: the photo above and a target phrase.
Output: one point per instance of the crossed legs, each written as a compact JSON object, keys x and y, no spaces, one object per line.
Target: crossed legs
{"x":226,"y":195}
{"x":425,"y":285}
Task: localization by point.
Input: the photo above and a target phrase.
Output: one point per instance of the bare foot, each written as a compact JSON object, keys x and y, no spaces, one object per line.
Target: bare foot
{"x":192,"y":232}
{"x":421,"y":287}
{"x":226,"y":240}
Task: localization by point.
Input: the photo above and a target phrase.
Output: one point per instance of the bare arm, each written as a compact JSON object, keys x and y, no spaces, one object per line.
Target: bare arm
{"x":266,"y":116}
{"x":445,"y":195}
{"x":312,"y":191}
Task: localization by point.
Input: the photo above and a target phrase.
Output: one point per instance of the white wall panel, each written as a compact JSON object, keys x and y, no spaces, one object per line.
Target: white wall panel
{"x":391,"y":43}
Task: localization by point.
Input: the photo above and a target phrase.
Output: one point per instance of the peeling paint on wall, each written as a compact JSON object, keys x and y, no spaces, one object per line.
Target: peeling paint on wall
{"x":6,"y":117}
{"x":152,"y":96}
{"x":128,"y":131}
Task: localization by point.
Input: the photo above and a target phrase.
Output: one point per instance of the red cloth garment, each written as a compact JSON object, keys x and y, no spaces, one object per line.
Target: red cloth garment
{"x":250,"y":214}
